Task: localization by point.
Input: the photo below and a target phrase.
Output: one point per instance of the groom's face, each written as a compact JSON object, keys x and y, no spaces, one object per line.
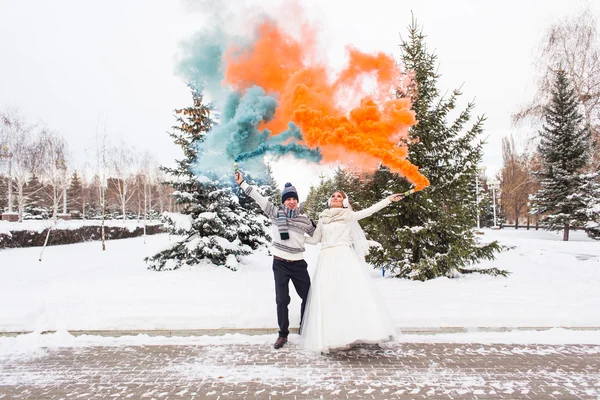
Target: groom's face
{"x":291,"y":203}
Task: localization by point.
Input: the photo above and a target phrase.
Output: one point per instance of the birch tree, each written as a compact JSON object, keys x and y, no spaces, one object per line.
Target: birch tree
{"x":25,"y":151}
{"x":122,"y":160}
{"x":54,"y":168}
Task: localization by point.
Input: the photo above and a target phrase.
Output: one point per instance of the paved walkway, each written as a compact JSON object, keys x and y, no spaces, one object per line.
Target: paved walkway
{"x":235,"y":371}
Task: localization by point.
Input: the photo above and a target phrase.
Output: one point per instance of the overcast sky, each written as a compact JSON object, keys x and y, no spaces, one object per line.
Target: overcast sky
{"x":74,"y":65}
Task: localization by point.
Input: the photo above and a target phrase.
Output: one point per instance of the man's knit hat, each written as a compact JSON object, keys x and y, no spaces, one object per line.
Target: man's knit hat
{"x":288,"y":191}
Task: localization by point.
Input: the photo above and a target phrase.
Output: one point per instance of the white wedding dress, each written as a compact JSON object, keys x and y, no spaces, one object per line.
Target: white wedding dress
{"x":343,"y":307}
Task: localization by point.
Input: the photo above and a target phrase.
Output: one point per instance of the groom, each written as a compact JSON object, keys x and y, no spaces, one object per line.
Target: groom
{"x":289,"y":227}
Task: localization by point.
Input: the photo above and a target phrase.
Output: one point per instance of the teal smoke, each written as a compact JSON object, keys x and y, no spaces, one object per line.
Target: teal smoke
{"x":235,"y":135}
{"x":283,"y":144}
{"x":200,"y":63}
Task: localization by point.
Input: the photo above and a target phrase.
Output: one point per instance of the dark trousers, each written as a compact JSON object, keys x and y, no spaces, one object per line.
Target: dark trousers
{"x":284,"y":271}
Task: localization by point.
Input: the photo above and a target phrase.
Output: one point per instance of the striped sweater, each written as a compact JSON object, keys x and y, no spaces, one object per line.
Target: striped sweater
{"x":292,"y":248}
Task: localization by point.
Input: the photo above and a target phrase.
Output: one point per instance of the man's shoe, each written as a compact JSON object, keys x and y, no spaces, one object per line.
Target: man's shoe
{"x":280,"y":342}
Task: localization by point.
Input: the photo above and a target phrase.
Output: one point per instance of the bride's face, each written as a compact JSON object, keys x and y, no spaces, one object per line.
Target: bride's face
{"x":336,"y":200}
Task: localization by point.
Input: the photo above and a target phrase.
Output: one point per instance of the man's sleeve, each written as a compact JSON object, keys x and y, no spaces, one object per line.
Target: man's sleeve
{"x":267,"y":207}
{"x":315,"y":237}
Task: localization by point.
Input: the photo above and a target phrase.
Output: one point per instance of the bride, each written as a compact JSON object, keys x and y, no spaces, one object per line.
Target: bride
{"x":343,"y":308}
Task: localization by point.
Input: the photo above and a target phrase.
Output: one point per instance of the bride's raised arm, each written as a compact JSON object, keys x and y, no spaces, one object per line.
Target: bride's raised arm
{"x":367,"y":212}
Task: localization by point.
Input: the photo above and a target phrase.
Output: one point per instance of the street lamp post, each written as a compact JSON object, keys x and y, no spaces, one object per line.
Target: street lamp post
{"x":494,"y":185}
{"x":479,"y":170}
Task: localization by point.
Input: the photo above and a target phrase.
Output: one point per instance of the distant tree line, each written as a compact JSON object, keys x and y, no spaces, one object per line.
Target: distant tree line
{"x":117,"y":182}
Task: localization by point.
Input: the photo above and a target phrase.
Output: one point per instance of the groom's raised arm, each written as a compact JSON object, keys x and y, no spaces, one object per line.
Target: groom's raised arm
{"x":264,"y":203}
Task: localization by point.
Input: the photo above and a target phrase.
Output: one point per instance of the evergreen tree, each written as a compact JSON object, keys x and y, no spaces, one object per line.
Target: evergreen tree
{"x":347,"y":180}
{"x":213,"y":225}
{"x":271,"y":190}
{"x":429,"y":234}
{"x":75,"y":196}
{"x":38,"y":198}
{"x":590,"y":192}
{"x":486,"y":210}
{"x":316,"y":198}
{"x":3,"y":193}
{"x":564,"y":144}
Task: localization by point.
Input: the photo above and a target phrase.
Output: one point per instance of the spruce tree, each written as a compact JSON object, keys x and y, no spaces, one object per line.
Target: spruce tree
{"x":271,"y":190}
{"x":430,"y":233}
{"x":564,"y":144}
{"x":317,"y":197}
{"x":75,"y":196}
{"x":486,"y":209}
{"x":3,"y":193}
{"x":38,"y":198}
{"x":590,"y":192}
{"x":212,"y":226}
{"x":347,"y":180}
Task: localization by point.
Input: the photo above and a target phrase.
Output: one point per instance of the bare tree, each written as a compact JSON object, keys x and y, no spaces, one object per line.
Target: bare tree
{"x":163,"y":191}
{"x":148,"y":173}
{"x":517,"y":182}
{"x":87,"y":187}
{"x":25,"y":152}
{"x":53,"y":154}
{"x":101,"y":173}
{"x":572,"y":45}
{"x":54,"y":168}
{"x":122,"y":160}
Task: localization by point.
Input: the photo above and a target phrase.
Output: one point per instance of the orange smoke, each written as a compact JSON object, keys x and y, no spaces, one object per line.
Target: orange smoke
{"x":365,"y":135}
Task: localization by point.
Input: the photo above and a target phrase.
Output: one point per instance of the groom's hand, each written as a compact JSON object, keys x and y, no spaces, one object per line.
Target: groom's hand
{"x":238,"y":177}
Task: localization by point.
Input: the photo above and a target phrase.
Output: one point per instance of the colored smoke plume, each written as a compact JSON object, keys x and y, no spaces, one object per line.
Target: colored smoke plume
{"x":273,"y":96}
{"x":366,"y":135}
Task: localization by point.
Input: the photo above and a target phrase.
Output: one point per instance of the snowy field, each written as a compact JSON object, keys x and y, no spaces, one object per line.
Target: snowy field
{"x":79,"y":287}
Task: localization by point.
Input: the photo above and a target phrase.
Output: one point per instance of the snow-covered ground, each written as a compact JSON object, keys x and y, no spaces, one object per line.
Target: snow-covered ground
{"x":79,"y":287}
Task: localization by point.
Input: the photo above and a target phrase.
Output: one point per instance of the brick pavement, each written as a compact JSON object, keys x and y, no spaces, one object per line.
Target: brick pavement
{"x":236,"y":371}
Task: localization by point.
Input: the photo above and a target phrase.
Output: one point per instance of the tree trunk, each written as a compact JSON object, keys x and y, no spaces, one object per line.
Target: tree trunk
{"x":145,"y":212}
{"x":21,"y":201}
{"x":103,"y":207}
{"x":566,"y":232}
{"x":54,"y":202}
{"x":124,"y":201}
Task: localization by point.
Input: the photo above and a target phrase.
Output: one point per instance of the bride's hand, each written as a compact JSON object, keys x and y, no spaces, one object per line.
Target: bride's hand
{"x":396,"y":197}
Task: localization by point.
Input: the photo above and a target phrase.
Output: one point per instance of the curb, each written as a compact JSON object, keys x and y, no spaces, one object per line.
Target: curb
{"x":268,"y":331}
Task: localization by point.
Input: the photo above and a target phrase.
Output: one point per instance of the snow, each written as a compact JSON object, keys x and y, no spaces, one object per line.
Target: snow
{"x":208,"y":215}
{"x":79,"y":287}
{"x":181,"y":222}
{"x":185,"y":195}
